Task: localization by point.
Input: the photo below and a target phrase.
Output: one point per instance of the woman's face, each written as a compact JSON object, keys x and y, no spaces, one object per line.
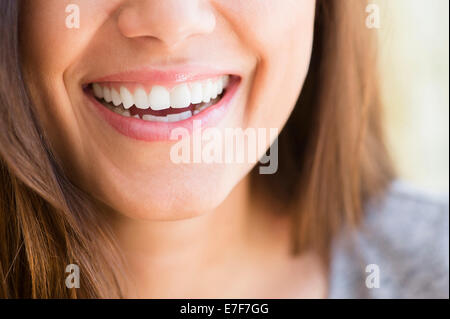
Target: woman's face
{"x":161,"y":65}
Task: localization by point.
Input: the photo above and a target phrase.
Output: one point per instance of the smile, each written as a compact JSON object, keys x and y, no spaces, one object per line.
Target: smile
{"x":159,"y":103}
{"x":150,"y":110}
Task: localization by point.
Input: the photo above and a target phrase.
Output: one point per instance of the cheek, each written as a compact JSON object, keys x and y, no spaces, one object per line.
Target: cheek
{"x":280,"y":34}
{"x":47,"y":48}
{"x":49,"y":44}
{"x":50,"y":48}
{"x":50,"y":51}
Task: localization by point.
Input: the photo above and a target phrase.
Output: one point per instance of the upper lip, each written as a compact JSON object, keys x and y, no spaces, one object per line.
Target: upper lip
{"x":163,"y":76}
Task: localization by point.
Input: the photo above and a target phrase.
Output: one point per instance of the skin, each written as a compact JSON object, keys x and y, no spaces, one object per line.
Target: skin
{"x":168,"y":217}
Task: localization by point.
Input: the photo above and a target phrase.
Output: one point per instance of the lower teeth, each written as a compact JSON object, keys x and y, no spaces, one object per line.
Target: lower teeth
{"x":174,"y":117}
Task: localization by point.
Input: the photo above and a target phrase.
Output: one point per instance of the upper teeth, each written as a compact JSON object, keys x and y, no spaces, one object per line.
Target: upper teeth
{"x":159,"y":97}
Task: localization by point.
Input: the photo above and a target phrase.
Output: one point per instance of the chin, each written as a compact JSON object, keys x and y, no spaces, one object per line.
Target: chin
{"x":173,"y":198}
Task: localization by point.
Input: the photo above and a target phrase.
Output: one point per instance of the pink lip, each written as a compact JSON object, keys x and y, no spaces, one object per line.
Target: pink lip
{"x":159,"y":131}
{"x":165,"y":77}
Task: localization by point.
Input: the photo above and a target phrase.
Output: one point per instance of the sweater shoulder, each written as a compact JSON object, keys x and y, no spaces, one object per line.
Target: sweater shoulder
{"x":401,"y":249}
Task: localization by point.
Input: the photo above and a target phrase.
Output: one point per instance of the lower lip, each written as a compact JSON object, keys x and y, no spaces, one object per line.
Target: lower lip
{"x":161,"y":131}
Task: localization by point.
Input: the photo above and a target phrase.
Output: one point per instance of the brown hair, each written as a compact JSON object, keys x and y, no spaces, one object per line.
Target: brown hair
{"x":332,"y":160}
{"x":332,"y":153}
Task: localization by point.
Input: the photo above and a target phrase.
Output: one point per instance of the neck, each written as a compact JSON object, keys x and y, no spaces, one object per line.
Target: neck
{"x":161,"y":255}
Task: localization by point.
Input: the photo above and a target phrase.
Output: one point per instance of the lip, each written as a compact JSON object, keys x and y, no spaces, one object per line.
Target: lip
{"x":163,"y":77}
{"x":148,"y":131}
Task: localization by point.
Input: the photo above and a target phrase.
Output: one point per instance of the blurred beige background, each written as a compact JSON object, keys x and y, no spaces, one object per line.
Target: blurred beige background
{"x":414,"y":38}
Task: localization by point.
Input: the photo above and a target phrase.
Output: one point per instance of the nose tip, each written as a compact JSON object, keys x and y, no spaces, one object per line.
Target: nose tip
{"x":168,"y":21}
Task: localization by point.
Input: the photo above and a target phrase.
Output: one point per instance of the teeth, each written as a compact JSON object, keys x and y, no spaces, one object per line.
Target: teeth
{"x":98,"y":91}
{"x":179,"y":116}
{"x":196,"y":93}
{"x":107,"y":94}
{"x":207,"y":91}
{"x":116,"y":99}
{"x":215,"y":89}
{"x":153,"y":118}
{"x":141,"y":99}
{"x":184,"y":115}
{"x":127,"y":98}
{"x":225,"y":80}
{"x":202,"y":108}
{"x":219,"y":87}
{"x":161,"y":98}
{"x":180,"y":97}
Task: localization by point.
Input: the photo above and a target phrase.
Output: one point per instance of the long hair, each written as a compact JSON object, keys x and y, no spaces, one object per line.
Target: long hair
{"x":332,"y":160}
{"x":46,"y":223}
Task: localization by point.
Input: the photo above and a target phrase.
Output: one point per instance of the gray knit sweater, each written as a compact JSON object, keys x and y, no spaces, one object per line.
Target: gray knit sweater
{"x":401,"y":250}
